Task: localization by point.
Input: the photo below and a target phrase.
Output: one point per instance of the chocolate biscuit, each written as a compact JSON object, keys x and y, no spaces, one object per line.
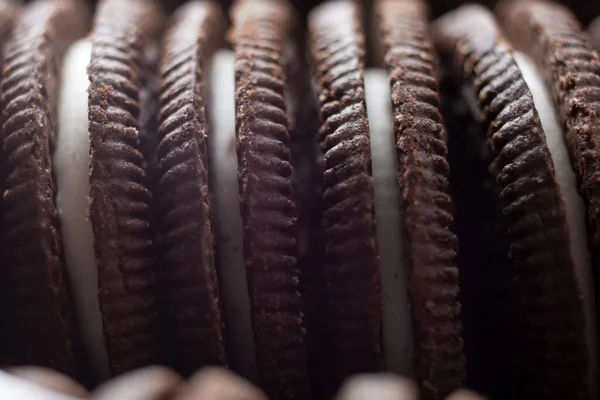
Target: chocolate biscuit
{"x":35,"y":288}
{"x":355,"y":262}
{"x":123,"y":35}
{"x":351,"y":267}
{"x":549,"y":356}
{"x":188,"y":279}
{"x":261,"y":30}
{"x":427,"y":216}
{"x":554,"y":39}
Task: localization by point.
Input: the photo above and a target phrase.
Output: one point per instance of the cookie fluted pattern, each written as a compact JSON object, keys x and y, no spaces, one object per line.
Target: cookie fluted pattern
{"x":119,"y":198}
{"x":423,"y":172}
{"x":188,"y":279}
{"x":262,"y":30}
{"x":550,"y":358}
{"x":35,"y":286}
{"x":351,"y":261}
{"x":553,"y":37}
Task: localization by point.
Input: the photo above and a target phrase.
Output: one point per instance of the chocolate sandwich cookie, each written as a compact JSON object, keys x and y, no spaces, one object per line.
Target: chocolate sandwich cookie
{"x":351,"y":265}
{"x":76,"y":186}
{"x":123,"y":47}
{"x":559,"y":54}
{"x":226,"y":193}
{"x":390,"y":264}
{"x":35,"y":286}
{"x":545,"y":298}
{"x":261,"y":37}
{"x":430,"y":246}
{"x":552,"y":38}
{"x":187,"y":276}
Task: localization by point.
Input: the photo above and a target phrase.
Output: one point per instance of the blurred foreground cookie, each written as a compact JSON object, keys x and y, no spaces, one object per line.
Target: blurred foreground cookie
{"x":542,"y":341}
{"x":76,"y":203}
{"x":12,"y":387}
{"x":387,"y":209}
{"x":389,"y":387}
{"x":384,"y":387}
{"x":50,"y":379}
{"x":152,"y":383}
{"x":465,"y":395}
{"x":217,"y":384}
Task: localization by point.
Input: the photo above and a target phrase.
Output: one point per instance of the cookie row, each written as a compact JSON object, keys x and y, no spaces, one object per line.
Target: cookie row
{"x":302,"y":219}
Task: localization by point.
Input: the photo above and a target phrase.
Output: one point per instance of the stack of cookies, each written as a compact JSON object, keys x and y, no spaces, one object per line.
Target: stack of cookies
{"x":181,"y":192}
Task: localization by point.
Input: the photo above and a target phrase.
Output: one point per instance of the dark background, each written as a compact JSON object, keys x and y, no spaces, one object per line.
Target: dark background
{"x":585,"y":9}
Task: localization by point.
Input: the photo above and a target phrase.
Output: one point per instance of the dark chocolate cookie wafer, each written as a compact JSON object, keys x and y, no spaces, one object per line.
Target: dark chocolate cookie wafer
{"x":35,"y":292}
{"x":261,"y":31}
{"x":188,"y":278}
{"x":551,"y":35}
{"x":125,"y":34}
{"x":351,"y":262}
{"x":430,"y":245}
{"x":551,"y":354}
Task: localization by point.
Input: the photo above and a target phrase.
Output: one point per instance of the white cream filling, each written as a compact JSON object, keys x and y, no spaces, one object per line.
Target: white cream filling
{"x":574,"y":204}
{"x":228,"y":220}
{"x":397,"y":321}
{"x":71,"y":169}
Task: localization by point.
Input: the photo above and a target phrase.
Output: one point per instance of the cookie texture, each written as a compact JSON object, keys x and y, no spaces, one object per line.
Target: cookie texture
{"x":188,"y":279}
{"x":119,"y":199}
{"x":553,"y":37}
{"x":423,"y":170}
{"x":351,"y":260}
{"x":35,"y":289}
{"x":549,"y":358}
{"x":260,"y":32}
